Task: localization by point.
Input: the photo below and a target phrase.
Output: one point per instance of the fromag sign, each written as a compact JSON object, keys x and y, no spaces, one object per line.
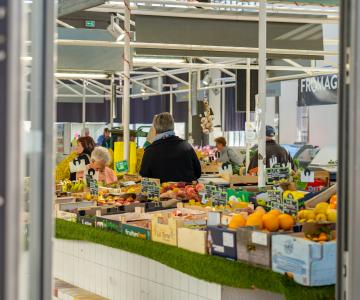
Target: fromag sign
{"x":319,"y":90}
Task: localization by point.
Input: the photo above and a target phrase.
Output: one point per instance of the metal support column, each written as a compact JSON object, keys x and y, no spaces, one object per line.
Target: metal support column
{"x":262,"y":93}
{"x":11,"y":103}
{"x":112,"y":101}
{"x":42,"y":158}
{"x":126,"y":94}
{"x":84,"y":105}
{"x":190,"y":109}
{"x":223,"y":106}
{"x":248,"y":86}
{"x":171,"y":100}
{"x":348,"y":175}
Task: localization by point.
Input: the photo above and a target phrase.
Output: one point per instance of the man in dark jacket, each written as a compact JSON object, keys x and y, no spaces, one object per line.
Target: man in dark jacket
{"x":169,"y":158}
{"x":274,"y":152}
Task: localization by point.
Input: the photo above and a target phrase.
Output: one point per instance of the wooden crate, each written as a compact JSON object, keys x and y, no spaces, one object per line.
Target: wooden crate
{"x":60,"y":200}
{"x":210,"y":168}
{"x":164,"y":228}
{"x":194,"y":240}
{"x":240,"y":180}
{"x":324,"y":196}
{"x":254,"y":246}
{"x":67,"y":216}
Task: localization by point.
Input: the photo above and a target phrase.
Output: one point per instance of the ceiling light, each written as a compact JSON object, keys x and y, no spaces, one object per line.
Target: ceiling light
{"x":143,"y":90}
{"x":81,"y":75}
{"x":116,"y":31}
{"x":206,"y":80}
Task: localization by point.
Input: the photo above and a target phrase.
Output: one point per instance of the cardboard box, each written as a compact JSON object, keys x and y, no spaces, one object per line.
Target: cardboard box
{"x":254,"y":246}
{"x":108,"y":224}
{"x":60,"y":200}
{"x":139,"y":229}
{"x":164,"y":228}
{"x":222,"y":242}
{"x":87,"y":220}
{"x":67,"y":216}
{"x":308,"y":262}
{"x":194,"y":240}
{"x":74,"y":206}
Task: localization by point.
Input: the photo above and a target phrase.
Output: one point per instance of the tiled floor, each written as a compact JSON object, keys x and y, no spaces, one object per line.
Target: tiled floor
{"x":117,"y":274}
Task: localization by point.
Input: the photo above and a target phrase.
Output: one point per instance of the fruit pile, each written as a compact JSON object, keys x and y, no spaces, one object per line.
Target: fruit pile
{"x":181,"y":191}
{"x":272,"y":221}
{"x":107,"y":199}
{"x":321,"y":213}
{"x":322,"y":234}
{"x":72,"y":186}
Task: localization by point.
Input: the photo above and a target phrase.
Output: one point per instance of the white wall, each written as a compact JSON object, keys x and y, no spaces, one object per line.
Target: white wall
{"x":323,"y":120}
{"x":323,"y":125}
{"x":288,"y":112}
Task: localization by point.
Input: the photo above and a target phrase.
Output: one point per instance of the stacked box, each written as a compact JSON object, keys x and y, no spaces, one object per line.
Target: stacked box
{"x":254,"y":246}
{"x":194,"y":240}
{"x":222,"y":242}
{"x":309,"y":263}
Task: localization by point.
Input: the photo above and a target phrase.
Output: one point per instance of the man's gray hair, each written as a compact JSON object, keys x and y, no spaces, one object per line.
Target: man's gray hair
{"x":101,"y":154}
{"x":163,"y":122}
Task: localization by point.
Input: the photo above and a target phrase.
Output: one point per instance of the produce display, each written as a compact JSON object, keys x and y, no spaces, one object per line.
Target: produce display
{"x":231,"y":223}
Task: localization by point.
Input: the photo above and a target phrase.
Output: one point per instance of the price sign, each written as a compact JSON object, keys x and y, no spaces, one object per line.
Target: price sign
{"x":150,"y":187}
{"x":276,"y":174}
{"x":291,"y":206}
{"x":93,"y":186}
{"x":216,"y":194}
{"x":122,"y":166}
{"x":275,"y":199}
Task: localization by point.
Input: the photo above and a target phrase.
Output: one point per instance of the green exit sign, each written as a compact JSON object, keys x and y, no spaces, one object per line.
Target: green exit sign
{"x":90,"y":23}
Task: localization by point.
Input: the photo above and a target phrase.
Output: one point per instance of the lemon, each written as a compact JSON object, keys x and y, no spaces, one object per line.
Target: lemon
{"x":331,"y":215}
{"x":321,"y":208}
{"x":321,"y":217}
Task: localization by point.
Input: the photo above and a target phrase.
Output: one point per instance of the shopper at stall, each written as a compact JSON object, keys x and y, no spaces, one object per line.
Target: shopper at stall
{"x":104,"y":139}
{"x":274,"y":152}
{"x":227,"y":156}
{"x":84,"y":146}
{"x":169,"y":158}
{"x":100,"y":159}
{"x":150,"y":137}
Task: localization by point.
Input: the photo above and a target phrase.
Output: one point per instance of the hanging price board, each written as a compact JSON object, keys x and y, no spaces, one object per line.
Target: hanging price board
{"x":150,"y":187}
{"x":277,"y":174}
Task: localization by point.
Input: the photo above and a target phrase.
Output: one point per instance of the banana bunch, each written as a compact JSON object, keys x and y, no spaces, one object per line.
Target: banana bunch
{"x":62,"y":171}
{"x":72,"y":186}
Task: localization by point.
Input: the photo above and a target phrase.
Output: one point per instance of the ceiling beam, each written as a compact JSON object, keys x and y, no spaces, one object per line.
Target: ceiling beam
{"x":66,"y":7}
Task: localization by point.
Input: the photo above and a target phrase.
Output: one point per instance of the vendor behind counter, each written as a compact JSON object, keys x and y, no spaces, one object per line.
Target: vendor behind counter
{"x":226,"y":155}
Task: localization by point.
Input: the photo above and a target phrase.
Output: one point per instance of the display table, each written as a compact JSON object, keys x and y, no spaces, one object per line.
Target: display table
{"x":120,"y":267}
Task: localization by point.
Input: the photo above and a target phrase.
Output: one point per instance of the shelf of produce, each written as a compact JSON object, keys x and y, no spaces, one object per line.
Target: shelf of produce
{"x":213,"y":273}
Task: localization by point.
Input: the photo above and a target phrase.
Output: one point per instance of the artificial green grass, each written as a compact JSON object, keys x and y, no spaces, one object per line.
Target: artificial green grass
{"x":209,"y":268}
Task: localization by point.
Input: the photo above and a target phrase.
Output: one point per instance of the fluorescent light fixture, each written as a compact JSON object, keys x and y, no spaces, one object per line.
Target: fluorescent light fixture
{"x":159,"y":60}
{"x":81,"y":75}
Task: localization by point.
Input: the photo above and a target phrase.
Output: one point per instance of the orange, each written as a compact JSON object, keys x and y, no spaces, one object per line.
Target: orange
{"x":332,"y":205}
{"x":275,"y":212}
{"x":237,"y":221}
{"x":271,"y":222}
{"x":255,"y":219}
{"x":286,"y":222}
{"x":333,"y":199}
{"x":260,"y":210}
